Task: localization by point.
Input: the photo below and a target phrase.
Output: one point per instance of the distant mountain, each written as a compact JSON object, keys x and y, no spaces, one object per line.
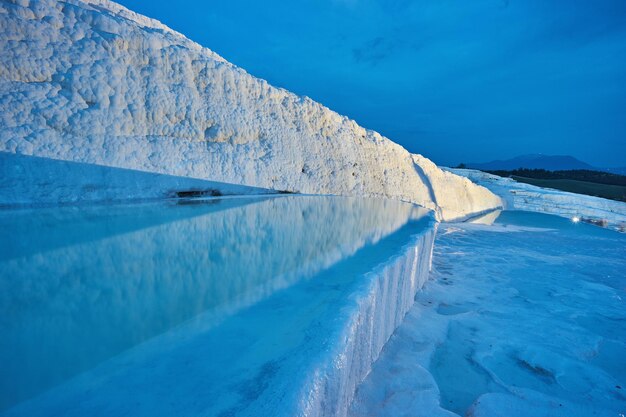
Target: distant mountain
{"x":537,"y":161}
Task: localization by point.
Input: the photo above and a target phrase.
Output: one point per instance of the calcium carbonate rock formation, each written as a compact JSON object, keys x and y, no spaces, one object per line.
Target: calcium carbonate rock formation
{"x":92,"y":82}
{"x":520,"y":196}
{"x":454,"y":195}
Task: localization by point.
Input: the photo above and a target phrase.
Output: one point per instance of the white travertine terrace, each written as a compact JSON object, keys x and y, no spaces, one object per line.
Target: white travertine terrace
{"x":520,"y":196}
{"x":92,"y":82}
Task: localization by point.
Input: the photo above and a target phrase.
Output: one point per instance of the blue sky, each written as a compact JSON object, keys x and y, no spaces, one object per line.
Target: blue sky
{"x":458,"y":81}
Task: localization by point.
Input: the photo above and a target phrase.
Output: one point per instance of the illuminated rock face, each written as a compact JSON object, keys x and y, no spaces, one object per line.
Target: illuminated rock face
{"x":93,"y":82}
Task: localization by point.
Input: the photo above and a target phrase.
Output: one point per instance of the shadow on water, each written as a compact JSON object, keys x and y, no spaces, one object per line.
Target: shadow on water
{"x":28,"y":231}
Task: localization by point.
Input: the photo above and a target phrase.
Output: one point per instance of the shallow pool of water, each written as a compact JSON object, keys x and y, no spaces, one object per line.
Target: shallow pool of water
{"x":216,"y":307}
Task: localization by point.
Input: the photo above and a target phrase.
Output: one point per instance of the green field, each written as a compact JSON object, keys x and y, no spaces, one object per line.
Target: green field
{"x":612,"y":192}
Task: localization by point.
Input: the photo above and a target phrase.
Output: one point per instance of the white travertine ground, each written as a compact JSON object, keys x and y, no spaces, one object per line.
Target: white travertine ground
{"x":522,"y":317}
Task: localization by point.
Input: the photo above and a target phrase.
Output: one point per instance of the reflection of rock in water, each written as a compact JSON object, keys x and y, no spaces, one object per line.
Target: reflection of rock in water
{"x":83,"y":284}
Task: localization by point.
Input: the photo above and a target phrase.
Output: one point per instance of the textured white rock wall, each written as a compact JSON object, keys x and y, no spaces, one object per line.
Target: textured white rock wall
{"x":454,"y":195}
{"x":379,"y":311}
{"x":520,"y":196}
{"x":95,"y":83}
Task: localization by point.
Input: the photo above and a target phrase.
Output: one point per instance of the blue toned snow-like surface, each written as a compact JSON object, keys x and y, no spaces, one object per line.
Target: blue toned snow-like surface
{"x":524,"y":317}
{"x":239,"y":306}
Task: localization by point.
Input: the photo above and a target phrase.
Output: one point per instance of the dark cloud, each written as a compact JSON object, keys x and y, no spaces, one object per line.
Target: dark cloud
{"x":374,"y":51}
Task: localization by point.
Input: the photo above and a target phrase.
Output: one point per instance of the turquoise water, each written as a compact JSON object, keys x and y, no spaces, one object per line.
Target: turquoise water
{"x":217,"y":307}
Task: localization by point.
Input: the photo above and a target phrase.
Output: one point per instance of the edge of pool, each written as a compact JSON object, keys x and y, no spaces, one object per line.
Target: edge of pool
{"x":378,"y":310}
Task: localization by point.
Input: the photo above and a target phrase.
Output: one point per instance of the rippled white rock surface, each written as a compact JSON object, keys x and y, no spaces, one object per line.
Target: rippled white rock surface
{"x":525,"y":317}
{"x":243,"y":306}
{"x":519,"y":196}
{"x":92,"y":82}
